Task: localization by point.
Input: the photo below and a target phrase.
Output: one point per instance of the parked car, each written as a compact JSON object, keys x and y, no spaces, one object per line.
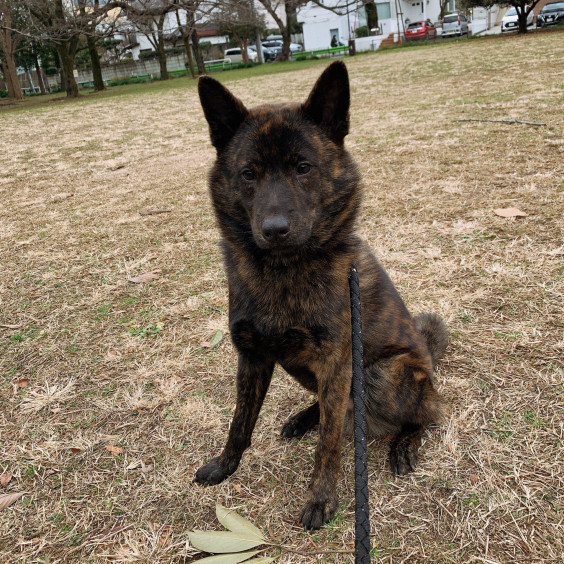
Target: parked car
{"x":235,"y":55}
{"x":276,"y":45}
{"x":551,"y":14}
{"x":267,"y":54}
{"x":510,"y":21}
{"x":455,"y":24}
{"x":420,"y":30}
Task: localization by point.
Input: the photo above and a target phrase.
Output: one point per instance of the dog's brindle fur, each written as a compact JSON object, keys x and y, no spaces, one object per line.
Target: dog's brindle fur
{"x":286,"y":196}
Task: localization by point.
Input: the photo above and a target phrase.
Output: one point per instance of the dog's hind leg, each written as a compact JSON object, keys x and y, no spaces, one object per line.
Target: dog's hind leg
{"x":404,"y":449}
{"x":401,"y":399}
{"x":299,"y":424}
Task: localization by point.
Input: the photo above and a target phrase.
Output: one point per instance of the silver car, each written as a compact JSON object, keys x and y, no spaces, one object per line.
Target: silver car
{"x":455,"y":24}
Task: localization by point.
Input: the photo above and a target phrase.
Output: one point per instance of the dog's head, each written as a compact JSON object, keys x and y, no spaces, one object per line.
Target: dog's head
{"x":282,"y":179}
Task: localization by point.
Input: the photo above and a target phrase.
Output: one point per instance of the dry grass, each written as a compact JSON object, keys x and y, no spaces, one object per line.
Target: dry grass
{"x":90,"y":361}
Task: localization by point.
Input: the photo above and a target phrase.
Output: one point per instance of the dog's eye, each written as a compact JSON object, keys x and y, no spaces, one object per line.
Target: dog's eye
{"x":248,"y":175}
{"x":303,"y":168}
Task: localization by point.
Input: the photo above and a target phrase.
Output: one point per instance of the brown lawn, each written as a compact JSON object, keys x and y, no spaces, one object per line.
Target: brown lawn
{"x":98,"y":374}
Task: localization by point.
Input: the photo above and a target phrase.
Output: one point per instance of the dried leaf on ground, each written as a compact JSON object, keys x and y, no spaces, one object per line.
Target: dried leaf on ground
{"x":216,"y":338}
{"x":229,"y":558}
{"x":234,"y":522}
{"x":5,"y":479}
{"x":115,"y":450}
{"x":222,"y":541}
{"x":145,"y":468}
{"x":145,"y":277}
{"x":510,"y":212}
{"x":7,"y":499}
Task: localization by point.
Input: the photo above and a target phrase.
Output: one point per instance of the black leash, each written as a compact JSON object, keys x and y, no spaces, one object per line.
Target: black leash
{"x":362,"y":520}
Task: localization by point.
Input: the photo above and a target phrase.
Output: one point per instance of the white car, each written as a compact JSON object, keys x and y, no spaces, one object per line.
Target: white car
{"x":510,"y":21}
{"x":235,"y":56}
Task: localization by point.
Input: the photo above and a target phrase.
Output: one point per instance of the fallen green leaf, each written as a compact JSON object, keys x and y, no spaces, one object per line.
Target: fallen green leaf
{"x":216,"y":338}
{"x":228,"y":558}
{"x":234,"y":522}
{"x":220,"y":542}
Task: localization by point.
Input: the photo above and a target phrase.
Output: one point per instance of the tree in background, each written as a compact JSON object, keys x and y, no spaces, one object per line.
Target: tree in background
{"x":290,"y":26}
{"x":371,"y":15}
{"x":187,"y":30}
{"x":10,"y":41}
{"x":239,"y":19}
{"x":522,"y":7}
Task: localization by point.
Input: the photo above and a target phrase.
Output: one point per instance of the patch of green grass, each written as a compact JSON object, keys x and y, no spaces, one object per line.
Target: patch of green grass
{"x":503,"y":429}
{"x":56,"y":518}
{"x":151,"y":330}
{"x":533,"y":419}
{"x":103,"y":311}
{"x":18,"y":337}
{"x":472,"y":500}
{"x":508,"y":334}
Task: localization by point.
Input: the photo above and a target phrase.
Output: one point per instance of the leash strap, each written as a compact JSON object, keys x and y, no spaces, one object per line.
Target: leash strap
{"x":362,"y":515}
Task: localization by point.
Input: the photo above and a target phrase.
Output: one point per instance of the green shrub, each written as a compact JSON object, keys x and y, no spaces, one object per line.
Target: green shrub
{"x":50,"y":71}
{"x":130,"y":80}
{"x":3,"y":93}
{"x":362,"y":31}
{"x":148,"y":55}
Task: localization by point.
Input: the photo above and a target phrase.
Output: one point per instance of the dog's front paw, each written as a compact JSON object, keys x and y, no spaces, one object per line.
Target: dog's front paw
{"x":318,"y":512}
{"x":211,"y":473}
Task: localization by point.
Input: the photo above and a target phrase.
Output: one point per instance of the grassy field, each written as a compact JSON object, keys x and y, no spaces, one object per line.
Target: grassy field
{"x":111,"y":397}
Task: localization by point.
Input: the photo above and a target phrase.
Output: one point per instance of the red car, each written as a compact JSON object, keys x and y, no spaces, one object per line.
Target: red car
{"x":420,"y":30}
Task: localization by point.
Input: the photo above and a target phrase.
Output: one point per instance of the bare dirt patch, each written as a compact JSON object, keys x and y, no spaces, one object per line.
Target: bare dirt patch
{"x":110,"y":399}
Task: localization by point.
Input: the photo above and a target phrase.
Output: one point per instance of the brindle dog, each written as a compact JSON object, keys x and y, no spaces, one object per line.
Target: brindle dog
{"x":286,"y":196}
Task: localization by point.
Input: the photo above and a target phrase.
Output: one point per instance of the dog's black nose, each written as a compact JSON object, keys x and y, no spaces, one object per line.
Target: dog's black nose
{"x":275,"y":227}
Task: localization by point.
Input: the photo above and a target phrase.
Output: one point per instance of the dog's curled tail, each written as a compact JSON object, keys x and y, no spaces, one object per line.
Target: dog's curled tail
{"x":435,"y":333}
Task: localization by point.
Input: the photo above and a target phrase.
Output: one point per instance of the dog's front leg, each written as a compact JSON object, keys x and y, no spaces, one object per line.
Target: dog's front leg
{"x":334,"y":384}
{"x":253,"y":379}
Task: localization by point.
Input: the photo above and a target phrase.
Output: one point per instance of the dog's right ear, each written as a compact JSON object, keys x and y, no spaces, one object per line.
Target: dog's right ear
{"x":224,"y":112}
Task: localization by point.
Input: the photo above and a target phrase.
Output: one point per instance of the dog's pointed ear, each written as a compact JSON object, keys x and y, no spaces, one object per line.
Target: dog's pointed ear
{"x":224,"y":112}
{"x":328,"y":103}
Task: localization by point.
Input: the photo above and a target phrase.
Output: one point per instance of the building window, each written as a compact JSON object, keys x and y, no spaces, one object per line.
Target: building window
{"x":384,"y":12}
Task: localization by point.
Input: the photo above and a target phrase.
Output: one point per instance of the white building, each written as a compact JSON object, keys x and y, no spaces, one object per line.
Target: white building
{"x":320,"y":24}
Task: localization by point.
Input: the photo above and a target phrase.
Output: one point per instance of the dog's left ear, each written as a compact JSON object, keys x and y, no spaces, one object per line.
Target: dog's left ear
{"x":328,"y":103}
{"x":224,"y":112}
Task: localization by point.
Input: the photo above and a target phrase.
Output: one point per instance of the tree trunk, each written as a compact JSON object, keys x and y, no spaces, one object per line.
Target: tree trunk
{"x":8,"y":48}
{"x":198,"y":52}
{"x":291,"y":22}
{"x":371,"y":15}
{"x":11,"y":76}
{"x":161,"y":48}
{"x":522,"y":19}
{"x":285,"y":30}
{"x":96,"y":66}
{"x":186,"y":40}
{"x":67,"y":66}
